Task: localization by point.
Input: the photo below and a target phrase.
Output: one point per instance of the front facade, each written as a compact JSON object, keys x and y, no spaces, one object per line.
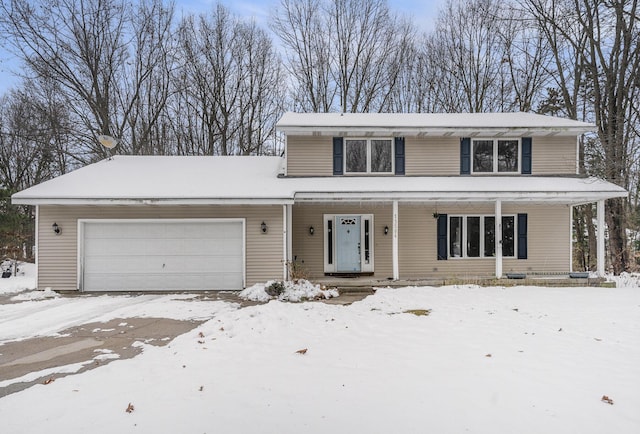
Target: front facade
{"x":384,"y":196}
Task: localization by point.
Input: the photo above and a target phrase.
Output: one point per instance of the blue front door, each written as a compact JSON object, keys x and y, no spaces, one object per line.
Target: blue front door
{"x":348,"y":244}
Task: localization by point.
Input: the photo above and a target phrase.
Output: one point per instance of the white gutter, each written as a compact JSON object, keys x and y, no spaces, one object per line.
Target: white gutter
{"x":155,"y":201}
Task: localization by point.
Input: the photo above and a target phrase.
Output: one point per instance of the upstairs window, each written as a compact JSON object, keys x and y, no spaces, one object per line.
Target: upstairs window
{"x":495,"y":155}
{"x":368,"y":155}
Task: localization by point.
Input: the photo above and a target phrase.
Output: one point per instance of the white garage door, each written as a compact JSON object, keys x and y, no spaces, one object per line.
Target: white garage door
{"x":161,"y":255}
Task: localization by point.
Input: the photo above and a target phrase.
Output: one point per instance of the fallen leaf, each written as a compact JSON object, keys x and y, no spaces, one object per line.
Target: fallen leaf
{"x":201,"y":334}
{"x":130,"y":408}
{"x":221,"y":329}
{"x":488,"y":355}
{"x":598,"y":339}
{"x":201,"y":342}
{"x":303,"y":351}
{"x":49,"y":380}
{"x":201,"y":388}
{"x":606,"y":399}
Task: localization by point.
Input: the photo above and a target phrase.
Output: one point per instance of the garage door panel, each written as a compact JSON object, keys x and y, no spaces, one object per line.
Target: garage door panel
{"x":158,"y":255}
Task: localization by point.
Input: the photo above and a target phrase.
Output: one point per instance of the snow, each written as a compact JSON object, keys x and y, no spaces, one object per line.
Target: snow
{"x":254,"y":180}
{"x":428,"y":122}
{"x":25,"y":279}
{"x":300,"y":290}
{"x":483,"y":360}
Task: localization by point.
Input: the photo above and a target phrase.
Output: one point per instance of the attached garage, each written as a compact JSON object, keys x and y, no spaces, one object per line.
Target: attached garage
{"x":161,"y":254}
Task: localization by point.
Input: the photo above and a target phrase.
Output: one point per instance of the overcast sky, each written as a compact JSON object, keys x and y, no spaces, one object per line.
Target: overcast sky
{"x":423,"y":12}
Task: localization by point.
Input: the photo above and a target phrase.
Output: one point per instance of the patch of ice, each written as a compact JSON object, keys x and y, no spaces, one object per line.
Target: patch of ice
{"x":31,"y":376}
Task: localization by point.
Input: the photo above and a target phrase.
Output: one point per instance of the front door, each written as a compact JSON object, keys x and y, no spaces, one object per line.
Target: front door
{"x":348,"y":244}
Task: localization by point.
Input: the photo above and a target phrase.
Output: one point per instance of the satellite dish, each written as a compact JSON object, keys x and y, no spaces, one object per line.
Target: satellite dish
{"x":107,"y":141}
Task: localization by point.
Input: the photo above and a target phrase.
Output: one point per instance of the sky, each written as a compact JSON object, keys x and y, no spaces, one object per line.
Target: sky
{"x":424,"y":12}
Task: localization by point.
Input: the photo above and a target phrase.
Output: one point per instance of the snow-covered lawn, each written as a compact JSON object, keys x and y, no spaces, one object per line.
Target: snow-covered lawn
{"x":444,"y":360}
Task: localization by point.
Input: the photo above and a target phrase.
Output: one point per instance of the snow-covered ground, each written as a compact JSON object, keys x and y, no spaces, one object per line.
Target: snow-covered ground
{"x":447,"y":360}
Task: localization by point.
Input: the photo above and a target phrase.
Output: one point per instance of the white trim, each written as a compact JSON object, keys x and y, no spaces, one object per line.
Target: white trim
{"x":577,"y":154}
{"x":289,"y":238}
{"x":495,"y":141}
{"x":575,"y":198}
{"x":82,"y":222}
{"x":286,"y":155}
{"x":498,"y":237}
{"x":36,"y":246}
{"x":285,"y":236}
{"x":364,"y":267}
{"x":601,"y":251}
{"x":394,"y":241}
{"x":570,"y":238}
{"x":154,"y":201}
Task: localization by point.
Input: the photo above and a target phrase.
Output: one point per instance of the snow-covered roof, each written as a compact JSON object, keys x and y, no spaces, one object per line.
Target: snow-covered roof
{"x":430,"y":124}
{"x":254,"y":180}
{"x":153,"y":179}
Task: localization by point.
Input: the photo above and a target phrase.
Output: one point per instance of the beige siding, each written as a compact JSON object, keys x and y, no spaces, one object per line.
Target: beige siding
{"x":548,"y":242}
{"x":428,"y":156}
{"x":432,"y":156}
{"x":553,"y":155}
{"x":308,"y":250}
{"x":309,"y":156}
{"x":57,"y":255}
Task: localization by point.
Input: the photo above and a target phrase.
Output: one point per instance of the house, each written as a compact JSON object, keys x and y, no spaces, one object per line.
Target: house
{"x":386,"y":196}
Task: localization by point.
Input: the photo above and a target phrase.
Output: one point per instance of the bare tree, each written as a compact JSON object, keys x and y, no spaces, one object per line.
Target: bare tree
{"x":345,"y":55}
{"x":303,"y":31}
{"x":230,"y":86}
{"x":604,"y":35}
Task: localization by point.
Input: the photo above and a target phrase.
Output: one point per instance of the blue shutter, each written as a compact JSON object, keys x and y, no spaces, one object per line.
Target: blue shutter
{"x":465,"y":156}
{"x":399,"y":150}
{"x":526,"y":155}
{"x":337,"y":156}
{"x":522,"y":236}
{"x":442,"y":237}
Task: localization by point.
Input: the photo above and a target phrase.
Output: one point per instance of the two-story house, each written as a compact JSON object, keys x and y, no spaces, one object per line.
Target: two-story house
{"x":386,"y":196}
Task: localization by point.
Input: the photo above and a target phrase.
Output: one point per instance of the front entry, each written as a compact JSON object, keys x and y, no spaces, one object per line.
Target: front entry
{"x":348,"y":244}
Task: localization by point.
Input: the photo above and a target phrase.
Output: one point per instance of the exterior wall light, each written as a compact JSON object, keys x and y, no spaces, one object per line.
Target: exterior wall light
{"x":263,"y":227}
{"x":386,"y":230}
{"x":311,"y":230}
{"x":56,"y":228}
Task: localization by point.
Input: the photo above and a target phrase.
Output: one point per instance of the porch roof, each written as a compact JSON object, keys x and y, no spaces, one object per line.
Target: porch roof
{"x":570,"y":190}
{"x":134,"y":180}
{"x":430,"y":124}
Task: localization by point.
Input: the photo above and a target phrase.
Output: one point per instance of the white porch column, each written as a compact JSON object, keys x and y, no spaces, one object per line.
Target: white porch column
{"x":498,"y":235}
{"x":287,"y":243}
{"x":394,"y":241}
{"x":600,"y":249}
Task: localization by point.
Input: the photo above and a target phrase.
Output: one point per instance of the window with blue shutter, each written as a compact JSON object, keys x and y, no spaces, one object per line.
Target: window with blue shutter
{"x":399,"y":154}
{"x":522,"y":236}
{"x":338,"y":161}
{"x":526,"y":155}
{"x":465,"y":156}
{"x":442,"y":237}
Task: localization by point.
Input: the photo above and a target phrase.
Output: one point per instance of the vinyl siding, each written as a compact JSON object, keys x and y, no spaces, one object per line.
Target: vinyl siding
{"x":309,"y":156}
{"x":553,"y":156}
{"x":428,"y":156}
{"x":57,"y":254}
{"x":432,"y":156}
{"x":308,"y":250}
{"x":548,"y":242}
